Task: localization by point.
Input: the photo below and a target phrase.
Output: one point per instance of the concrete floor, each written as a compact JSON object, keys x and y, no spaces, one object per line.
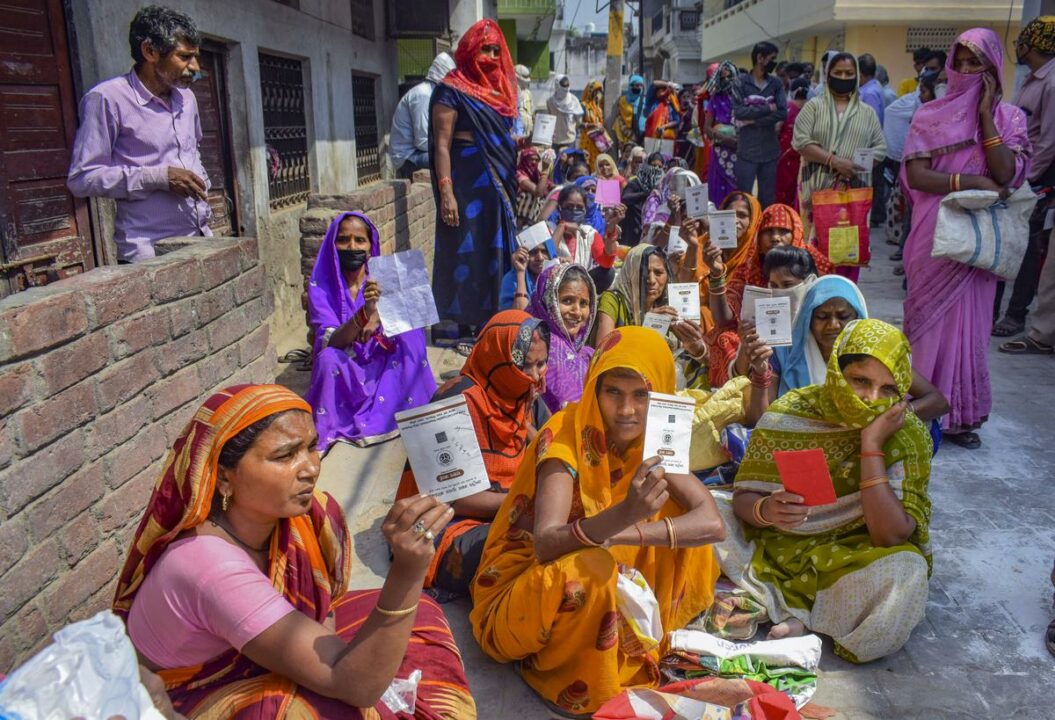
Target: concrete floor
{"x":978,"y":654}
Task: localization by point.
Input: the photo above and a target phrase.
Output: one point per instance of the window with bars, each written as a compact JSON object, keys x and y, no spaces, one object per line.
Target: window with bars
{"x":363,"y":18}
{"x":285,"y":130}
{"x":935,"y":38}
{"x":364,"y":108}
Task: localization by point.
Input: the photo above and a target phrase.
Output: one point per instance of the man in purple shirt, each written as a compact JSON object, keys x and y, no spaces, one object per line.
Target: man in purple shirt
{"x":138,"y":139}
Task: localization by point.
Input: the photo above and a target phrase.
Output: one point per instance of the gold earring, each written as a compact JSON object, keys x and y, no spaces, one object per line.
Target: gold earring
{"x":226,"y":502}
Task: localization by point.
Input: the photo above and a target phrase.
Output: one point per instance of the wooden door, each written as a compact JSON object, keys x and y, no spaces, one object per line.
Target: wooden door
{"x":44,"y":230}
{"x":211,"y":93}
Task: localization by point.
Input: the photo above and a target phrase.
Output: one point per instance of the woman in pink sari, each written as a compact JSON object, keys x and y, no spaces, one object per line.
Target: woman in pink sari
{"x":970,"y":140}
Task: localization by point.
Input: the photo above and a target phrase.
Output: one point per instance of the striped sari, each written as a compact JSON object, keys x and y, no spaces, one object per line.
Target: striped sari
{"x":309,"y":564}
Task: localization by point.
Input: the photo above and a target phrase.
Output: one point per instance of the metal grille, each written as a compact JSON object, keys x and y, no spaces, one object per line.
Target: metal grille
{"x":364,"y":107}
{"x":935,"y":38}
{"x":690,"y":20}
{"x":363,"y":18}
{"x":285,"y":130}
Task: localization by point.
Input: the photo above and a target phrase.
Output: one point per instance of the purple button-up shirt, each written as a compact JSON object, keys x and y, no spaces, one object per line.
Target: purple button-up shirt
{"x":126,"y":143}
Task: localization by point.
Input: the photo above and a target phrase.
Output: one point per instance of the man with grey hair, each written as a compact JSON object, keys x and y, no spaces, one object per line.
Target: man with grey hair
{"x":408,"y":141}
{"x":525,"y":102}
{"x":138,"y":139}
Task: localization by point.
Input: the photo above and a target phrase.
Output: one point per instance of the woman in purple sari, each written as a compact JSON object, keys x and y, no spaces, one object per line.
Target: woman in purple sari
{"x":718,"y":126}
{"x":566,"y":300}
{"x":970,"y":140}
{"x":360,"y":377}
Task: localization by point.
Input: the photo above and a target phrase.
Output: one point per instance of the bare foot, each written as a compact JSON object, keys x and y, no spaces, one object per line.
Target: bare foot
{"x":792,"y":627}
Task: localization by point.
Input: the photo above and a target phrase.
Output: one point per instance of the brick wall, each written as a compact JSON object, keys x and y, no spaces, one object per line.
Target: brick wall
{"x":404,"y":212}
{"x":98,"y":375}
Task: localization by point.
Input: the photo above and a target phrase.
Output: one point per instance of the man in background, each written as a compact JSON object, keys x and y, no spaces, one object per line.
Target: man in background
{"x":759,"y":104}
{"x":409,"y":138}
{"x":909,"y":84}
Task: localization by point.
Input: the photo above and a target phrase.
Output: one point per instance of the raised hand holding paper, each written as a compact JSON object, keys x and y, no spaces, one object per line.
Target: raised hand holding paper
{"x":534,"y":235}
{"x":685,"y":298}
{"x":675,"y":243}
{"x":608,"y":193}
{"x":805,"y":473}
{"x":406,"y":299}
{"x":773,"y":320}
{"x":443,"y":450}
{"x":543,"y":131}
{"x":697,"y":201}
{"x":668,"y":430}
{"x":723,"y":229}
{"x":752,"y":292}
{"x":658,"y":322}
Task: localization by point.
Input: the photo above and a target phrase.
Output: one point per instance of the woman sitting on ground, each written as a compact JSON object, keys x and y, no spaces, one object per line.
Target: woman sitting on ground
{"x":533,"y":184}
{"x":235,"y":587}
{"x":605,"y":169}
{"x":500,"y":382}
{"x":584,"y":505}
{"x":519,"y":283}
{"x":360,"y":377}
{"x":566,"y":300}
{"x":579,"y":241}
{"x":636,"y":193}
{"x":748,"y":217}
{"x":856,"y":569}
{"x":640,"y":288}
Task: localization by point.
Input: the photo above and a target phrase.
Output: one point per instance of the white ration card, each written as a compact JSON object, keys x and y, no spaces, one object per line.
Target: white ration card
{"x":668,"y":430}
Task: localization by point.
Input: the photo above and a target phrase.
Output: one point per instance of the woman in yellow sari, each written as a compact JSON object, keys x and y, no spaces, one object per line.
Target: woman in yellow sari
{"x":593,"y":138}
{"x":585,"y":505}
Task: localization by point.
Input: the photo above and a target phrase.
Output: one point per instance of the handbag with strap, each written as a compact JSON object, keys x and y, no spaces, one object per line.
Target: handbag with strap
{"x":977,"y":228}
{"x":840,"y":217}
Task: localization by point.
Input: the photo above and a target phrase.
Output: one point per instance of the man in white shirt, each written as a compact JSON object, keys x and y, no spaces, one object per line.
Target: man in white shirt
{"x":409,"y":138}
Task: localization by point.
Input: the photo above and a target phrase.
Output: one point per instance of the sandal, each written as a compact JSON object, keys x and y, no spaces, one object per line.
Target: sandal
{"x":1025,"y":345}
{"x":465,"y":346}
{"x":1008,"y":326}
{"x":1049,"y":637}
{"x":295,"y":356}
{"x":968,"y":440}
{"x":899,"y":270}
{"x":896,"y":257}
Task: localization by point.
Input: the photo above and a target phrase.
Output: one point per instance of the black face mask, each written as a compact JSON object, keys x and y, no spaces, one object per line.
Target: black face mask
{"x":771,"y":66}
{"x":842,"y":86}
{"x":351,"y":260}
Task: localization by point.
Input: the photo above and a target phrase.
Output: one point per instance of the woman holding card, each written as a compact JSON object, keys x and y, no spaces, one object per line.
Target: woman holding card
{"x":748,"y":217}
{"x":605,"y":169}
{"x":583,"y":504}
{"x":533,"y":183}
{"x":855,"y":569}
{"x":360,"y":377}
{"x":500,"y":382}
{"x":635,"y":194}
{"x":578,"y":241}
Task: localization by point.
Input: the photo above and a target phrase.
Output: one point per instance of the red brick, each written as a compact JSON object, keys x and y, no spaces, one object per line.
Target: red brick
{"x":227,"y":330}
{"x":101,"y":600}
{"x":71,"y":363}
{"x":136,"y":455}
{"x":10,"y":657}
{"x":131,"y":335}
{"x":182,"y":352}
{"x":172,"y":279}
{"x":112,"y":292}
{"x":219,"y":368}
{"x":182,"y":317}
{"x":30,"y":626}
{"x":110,"y":430}
{"x":13,"y":543}
{"x":174,"y":425}
{"x":126,"y":503}
{"x":65,"y":503}
{"x":16,"y":387}
{"x":221,"y":265}
{"x":250,"y":252}
{"x":27,"y":480}
{"x":256,"y":313}
{"x":253,"y":346}
{"x":79,"y":584}
{"x":214,"y":303}
{"x":249,"y":285}
{"x":7,"y":444}
{"x":78,"y":538}
{"x":26,"y":579}
{"x":170,"y":393}
{"x":40,"y":318}
{"x":46,"y":420}
{"x":126,"y":379}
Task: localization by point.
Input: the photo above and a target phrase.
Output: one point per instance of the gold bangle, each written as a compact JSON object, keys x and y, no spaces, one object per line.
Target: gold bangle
{"x":872,"y":482}
{"x":756,"y":512}
{"x":671,"y":537}
{"x":396,"y":613}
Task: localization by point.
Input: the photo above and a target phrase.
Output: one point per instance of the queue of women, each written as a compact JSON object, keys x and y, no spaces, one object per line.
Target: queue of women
{"x":236,"y":586}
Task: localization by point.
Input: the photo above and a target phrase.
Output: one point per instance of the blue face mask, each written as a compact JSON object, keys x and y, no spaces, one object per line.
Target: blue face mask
{"x":573,"y":215}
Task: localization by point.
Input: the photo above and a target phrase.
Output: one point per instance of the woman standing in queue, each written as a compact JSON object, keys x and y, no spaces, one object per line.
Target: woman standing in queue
{"x":473,"y":160}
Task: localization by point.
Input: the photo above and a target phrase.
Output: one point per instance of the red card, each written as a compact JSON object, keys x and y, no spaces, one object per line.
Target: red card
{"x":777,"y":706}
{"x":805,"y":473}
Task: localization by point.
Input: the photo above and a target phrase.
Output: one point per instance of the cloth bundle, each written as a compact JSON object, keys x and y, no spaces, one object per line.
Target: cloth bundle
{"x":977,"y":228}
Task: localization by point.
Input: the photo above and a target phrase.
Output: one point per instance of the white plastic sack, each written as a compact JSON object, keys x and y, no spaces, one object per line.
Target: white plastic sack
{"x":639,"y":607}
{"x":803,"y":652}
{"x":90,"y":671}
{"x":977,"y":228}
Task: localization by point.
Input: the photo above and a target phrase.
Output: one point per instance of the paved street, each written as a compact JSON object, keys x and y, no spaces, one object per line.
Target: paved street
{"x":978,"y":654}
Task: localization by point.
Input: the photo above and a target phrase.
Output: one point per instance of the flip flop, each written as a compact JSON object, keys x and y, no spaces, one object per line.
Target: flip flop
{"x":294,"y":356}
{"x":968,"y":440}
{"x":465,"y":346}
{"x":1025,"y":345}
{"x":1008,"y":327}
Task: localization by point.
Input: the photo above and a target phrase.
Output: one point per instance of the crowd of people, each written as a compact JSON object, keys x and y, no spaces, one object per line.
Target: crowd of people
{"x":235,"y":586}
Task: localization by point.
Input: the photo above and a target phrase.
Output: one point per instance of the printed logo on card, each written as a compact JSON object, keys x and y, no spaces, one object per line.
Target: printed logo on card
{"x":444,"y":458}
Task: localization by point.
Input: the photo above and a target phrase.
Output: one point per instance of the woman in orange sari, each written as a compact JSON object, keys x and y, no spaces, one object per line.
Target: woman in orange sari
{"x":593,"y":138}
{"x":585,"y":507}
{"x":500,"y":381}
{"x":235,"y":587}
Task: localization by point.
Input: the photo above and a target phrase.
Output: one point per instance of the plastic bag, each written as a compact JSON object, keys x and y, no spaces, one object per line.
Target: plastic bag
{"x":90,"y":671}
{"x":402,"y":695}
{"x":639,"y":608}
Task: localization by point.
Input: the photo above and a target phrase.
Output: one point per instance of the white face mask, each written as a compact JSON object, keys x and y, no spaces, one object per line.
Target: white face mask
{"x":939,"y":90}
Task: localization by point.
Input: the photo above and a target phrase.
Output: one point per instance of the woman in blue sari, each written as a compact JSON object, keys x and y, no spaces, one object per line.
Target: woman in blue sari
{"x":473,"y":161}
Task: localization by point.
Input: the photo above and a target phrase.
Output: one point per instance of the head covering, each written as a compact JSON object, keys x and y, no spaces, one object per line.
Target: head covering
{"x":743,"y":242}
{"x":562,"y":98}
{"x":496,"y":87}
{"x":656,"y":210}
{"x":649,"y":176}
{"x":802,"y":363}
{"x":718,"y":84}
{"x":526,"y":166}
{"x":569,"y":355}
{"x":328,"y":297}
{"x":597,"y":166}
{"x":441,"y":66}
{"x":949,"y":123}
{"x":631,"y":96}
{"x":523,"y":74}
{"x":1039,"y":34}
{"x":632,"y":281}
{"x":309,"y":555}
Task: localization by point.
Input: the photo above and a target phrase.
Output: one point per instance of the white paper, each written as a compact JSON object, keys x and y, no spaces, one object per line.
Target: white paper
{"x":752,"y":292}
{"x":675,"y":244}
{"x":685,"y":298}
{"x":534,"y":235}
{"x":723,"y":229}
{"x":665,"y":147}
{"x":658,"y":322}
{"x":542,"y":134}
{"x":773,"y":320}
{"x":406,"y":299}
{"x":668,"y":430}
{"x":864,"y":157}
{"x":697,"y":201}
{"x":443,"y":450}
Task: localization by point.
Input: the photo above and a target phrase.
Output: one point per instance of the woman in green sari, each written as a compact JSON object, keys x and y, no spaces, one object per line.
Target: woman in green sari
{"x":857,"y":569}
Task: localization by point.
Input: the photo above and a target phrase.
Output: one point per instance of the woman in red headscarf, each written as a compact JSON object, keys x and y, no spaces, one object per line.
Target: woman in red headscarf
{"x":473,"y":160}
{"x":664,"y":112}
